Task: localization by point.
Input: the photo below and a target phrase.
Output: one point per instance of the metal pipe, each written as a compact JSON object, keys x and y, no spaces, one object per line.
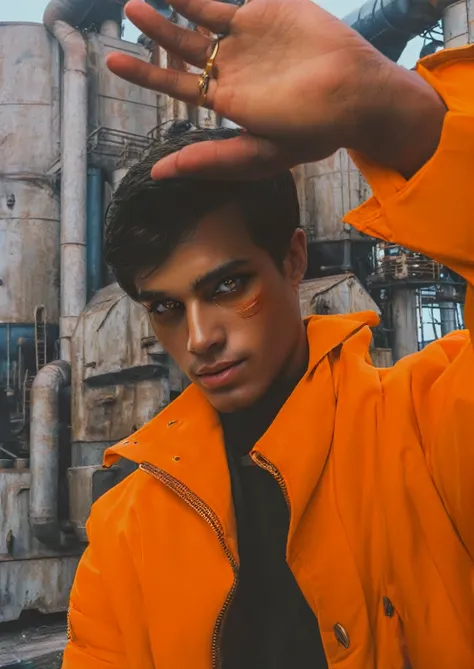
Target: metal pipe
{"x":94,"y":230}
{"x":73,"y":175}
{"x":111,"y":28}
{"x":390,"y":24}
{"x":44,"y":451}
{"x":72,"y":12}
{"x":448,"y":310}
{"x":405,"y":323}
{"x":8,"y":387}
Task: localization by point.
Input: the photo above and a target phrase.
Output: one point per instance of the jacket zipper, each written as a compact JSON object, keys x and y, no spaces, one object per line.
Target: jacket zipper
{"x":268,"y":466}
{"x":68,"y":625}
{"x":208,"y":515}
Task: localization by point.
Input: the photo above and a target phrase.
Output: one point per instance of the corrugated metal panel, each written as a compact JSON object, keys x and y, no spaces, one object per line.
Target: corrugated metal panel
{"x":120,"y":372}
{"x":32,"y":576}
{"x":43,"y":585}
{"x":122,"y":106}
{"x":329,"y":189}
{"x":340,"y":294}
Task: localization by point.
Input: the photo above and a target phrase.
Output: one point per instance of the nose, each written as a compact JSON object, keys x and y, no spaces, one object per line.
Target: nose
{"x":205,"y":332}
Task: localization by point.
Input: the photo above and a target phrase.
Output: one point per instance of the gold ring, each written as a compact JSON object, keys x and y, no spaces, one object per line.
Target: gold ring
{"x":205,"y":78}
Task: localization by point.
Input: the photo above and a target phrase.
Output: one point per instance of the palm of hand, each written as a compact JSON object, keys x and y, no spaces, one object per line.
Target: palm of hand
{"x":288,"y":72}
{"x":282,"y":80}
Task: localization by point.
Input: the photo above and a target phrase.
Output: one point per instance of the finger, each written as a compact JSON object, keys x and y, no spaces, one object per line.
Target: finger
{"x":241,"y":158}
{"x":179,"y":85}
{"x":211,"y":14}
{"x":191,"y":46}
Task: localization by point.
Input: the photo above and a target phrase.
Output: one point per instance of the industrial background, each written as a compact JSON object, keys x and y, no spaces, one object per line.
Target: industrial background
{"x":80,"y":368}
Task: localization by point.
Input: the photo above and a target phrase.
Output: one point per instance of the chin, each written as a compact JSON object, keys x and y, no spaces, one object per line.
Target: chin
{"x":235,"y":399}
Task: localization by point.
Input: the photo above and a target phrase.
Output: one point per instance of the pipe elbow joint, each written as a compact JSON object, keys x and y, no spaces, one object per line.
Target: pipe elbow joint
{"x":44,"y":452}
{"x":73,"y":45}
{"x":52,"y":377}
{"x":48,"y":532}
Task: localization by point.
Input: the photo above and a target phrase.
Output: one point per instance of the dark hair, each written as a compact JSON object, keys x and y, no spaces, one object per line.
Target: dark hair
{"x":147,"y":219}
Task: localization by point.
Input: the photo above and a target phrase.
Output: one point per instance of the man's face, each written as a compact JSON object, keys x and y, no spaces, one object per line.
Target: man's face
{"x":224,"y":311}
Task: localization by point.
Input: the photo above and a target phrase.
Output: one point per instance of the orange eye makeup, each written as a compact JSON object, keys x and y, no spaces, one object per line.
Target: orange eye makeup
{"x":241,"y":295}
{"x":252,"y":308}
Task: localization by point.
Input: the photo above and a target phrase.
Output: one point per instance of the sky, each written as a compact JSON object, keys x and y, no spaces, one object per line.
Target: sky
{"x":32,"y":10}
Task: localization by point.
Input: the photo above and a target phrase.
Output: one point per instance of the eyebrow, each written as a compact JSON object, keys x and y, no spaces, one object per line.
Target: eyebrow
{"x":217,"y":273}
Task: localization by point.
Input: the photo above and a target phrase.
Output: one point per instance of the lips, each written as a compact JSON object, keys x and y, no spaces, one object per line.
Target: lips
{"x":215,"y":369}
{"x":218,"y":376}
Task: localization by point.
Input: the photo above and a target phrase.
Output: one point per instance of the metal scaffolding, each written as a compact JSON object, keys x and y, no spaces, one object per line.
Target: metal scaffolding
{"x":421,"y":300}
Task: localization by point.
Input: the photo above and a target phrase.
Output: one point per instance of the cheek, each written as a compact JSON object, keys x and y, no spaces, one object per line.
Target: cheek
{"x":173,"y":340}
{"x":250,"y":307}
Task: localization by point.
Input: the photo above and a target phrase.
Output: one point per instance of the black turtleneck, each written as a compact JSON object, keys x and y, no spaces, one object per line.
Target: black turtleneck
{"x":269,"y":624}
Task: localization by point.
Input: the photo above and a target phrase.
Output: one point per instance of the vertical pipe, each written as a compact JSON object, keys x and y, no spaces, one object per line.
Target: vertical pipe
{"x":448,"y":310}
{"x":8,"y":388}
{"x":73,"y":179}
{"x":405,"y":323}
{"x":470,"y":20}
{"x":56,"y":117}
{"x":94,"y":230}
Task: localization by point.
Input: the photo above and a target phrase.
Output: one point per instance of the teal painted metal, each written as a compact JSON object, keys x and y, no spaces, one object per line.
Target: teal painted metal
{"x":390,"y":24}
{"x":95,"y":231}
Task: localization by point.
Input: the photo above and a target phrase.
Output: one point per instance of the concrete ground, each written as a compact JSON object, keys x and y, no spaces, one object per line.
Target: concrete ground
{"x":36,"y":647}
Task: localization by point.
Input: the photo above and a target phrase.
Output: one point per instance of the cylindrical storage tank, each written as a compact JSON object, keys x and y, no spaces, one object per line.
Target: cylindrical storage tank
{"x":332,"y":187}
{"x":29,"y":207}
{"x":327,"y":191}
{"x":458,"y":24}
{"x":121,"y":114}
{"x":405,"y":323}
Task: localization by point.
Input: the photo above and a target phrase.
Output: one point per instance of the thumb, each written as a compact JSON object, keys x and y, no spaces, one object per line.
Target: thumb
{"x":241,"y":158}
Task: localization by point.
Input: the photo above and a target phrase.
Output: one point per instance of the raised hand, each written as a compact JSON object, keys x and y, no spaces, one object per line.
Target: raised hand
{"x":296,"y":78}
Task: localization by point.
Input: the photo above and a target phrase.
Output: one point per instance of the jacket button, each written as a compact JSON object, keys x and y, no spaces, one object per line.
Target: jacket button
{"x":388,"y":607}
{"x":341,"y":635}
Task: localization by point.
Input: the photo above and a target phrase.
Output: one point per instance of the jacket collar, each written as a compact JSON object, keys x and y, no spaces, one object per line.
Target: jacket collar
{"x":191,"y":418}
{"x":185,"y":439}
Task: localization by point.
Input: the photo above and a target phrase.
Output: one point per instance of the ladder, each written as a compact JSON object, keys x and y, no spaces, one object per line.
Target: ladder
{"x":40,"y":337}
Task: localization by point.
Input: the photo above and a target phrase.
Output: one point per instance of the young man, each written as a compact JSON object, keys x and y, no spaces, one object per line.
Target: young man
{"x":295,"y":507}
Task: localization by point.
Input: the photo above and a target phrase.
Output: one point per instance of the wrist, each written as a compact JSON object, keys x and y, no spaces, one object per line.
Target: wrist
{"x":399,"y":126}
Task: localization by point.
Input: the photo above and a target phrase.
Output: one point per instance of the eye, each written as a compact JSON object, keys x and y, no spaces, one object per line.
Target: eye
{"x":232,"y":284}
{"x":164,"y":307}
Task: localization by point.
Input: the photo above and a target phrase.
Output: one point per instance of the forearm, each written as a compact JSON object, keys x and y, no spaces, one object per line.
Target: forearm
{"x":432,"y":212}
{"x":400,"y":128}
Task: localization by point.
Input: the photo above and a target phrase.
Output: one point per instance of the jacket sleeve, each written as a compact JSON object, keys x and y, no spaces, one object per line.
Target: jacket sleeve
{"x":433,"y":213}
{"x":94,"y":640}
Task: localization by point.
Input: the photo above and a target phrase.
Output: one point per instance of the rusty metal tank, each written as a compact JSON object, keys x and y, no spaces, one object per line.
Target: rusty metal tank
{"x":29,"y":207}
{"x":122,"y":116}
{"x":120,"y":376}
{"x":328,"y":190}
{"x":29,"y":210}
{"x":458,"y":24}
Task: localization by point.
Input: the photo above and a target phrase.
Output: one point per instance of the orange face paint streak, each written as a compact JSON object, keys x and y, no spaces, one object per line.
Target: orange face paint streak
{"x":250,"y":309}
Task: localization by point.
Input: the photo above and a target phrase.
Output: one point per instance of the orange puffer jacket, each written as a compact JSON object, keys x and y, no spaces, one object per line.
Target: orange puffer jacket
{"x":377,"y":467}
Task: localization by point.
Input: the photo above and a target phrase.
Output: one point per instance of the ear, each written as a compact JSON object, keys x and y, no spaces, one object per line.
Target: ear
{"x":296,"y":260}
